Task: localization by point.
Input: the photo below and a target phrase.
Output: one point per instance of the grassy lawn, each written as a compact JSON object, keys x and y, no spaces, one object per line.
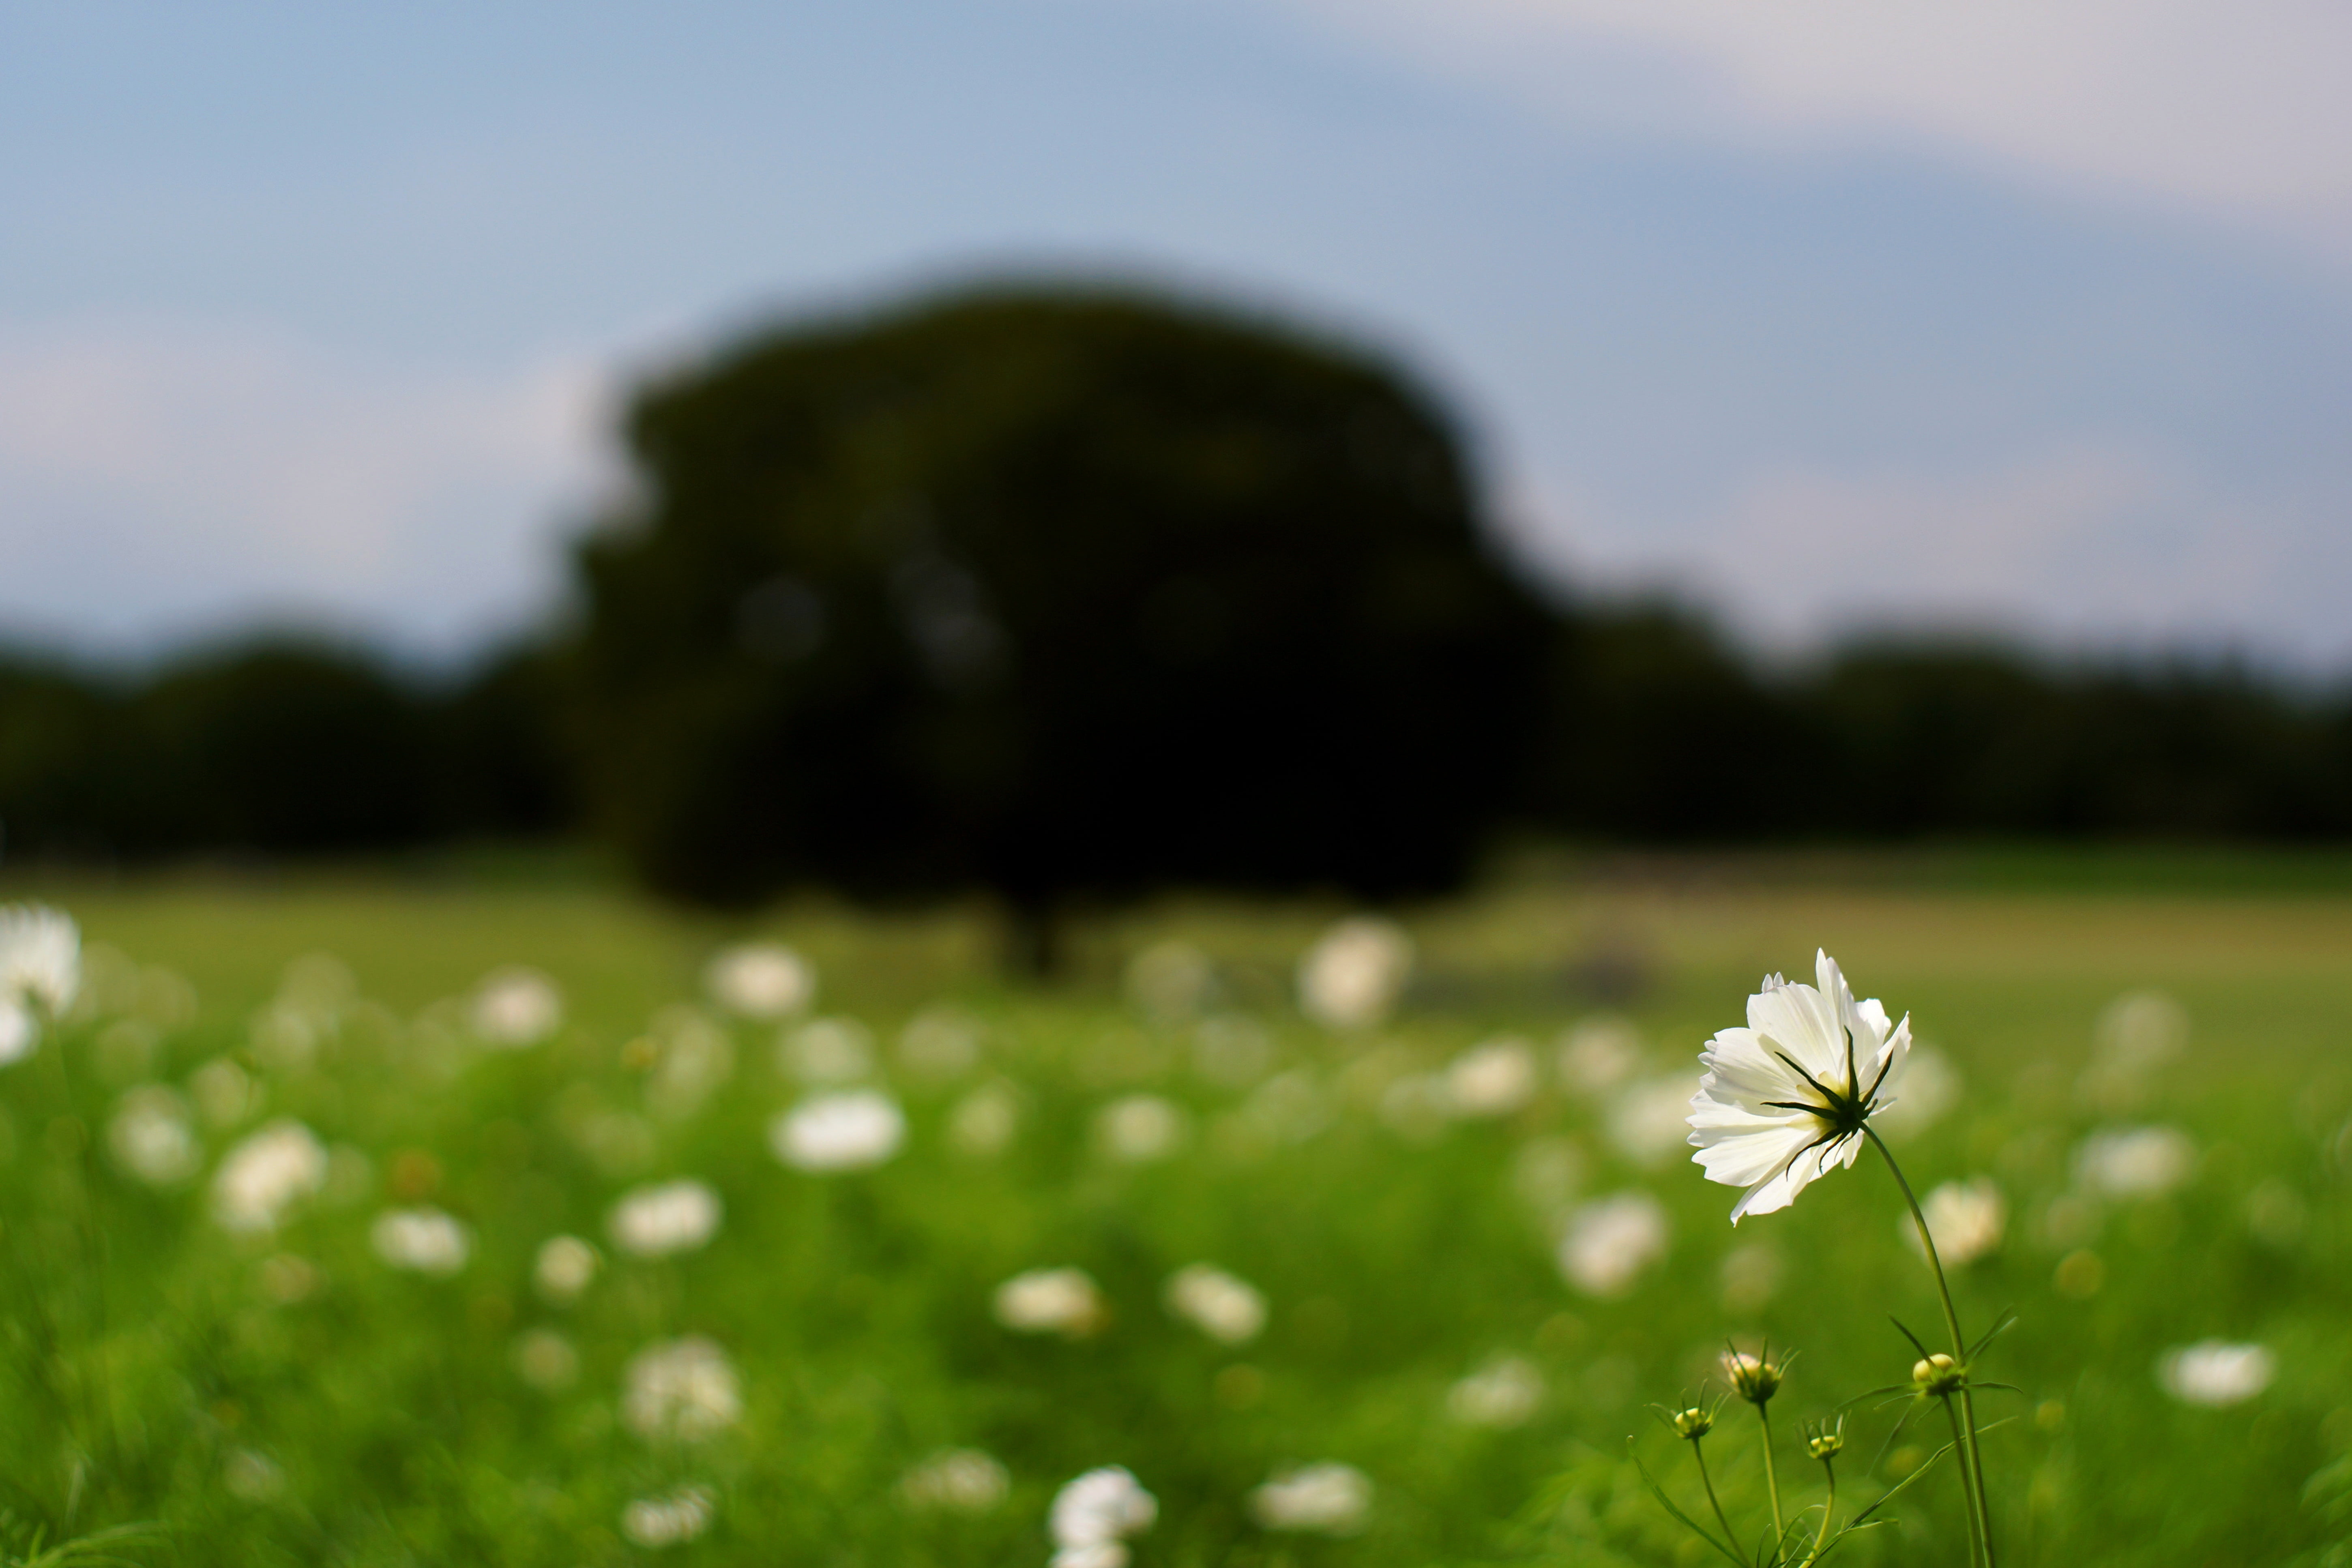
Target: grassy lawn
{"x":282,"y":1392}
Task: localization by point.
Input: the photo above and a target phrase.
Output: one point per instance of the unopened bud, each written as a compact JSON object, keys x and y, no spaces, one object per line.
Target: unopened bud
{"x":1938,"y":1375}
{"x":1825,"y":1445}
{"x":1694,"y":1423}
{"x":1753,"y":1378}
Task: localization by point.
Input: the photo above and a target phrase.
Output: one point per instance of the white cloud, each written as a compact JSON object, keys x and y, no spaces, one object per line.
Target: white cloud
{"x":2237,"y":108}
{"x":156,"y":478}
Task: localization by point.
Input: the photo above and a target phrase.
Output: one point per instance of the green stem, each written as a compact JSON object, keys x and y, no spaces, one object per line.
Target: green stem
{"x":1771,"y":1480}
{"x":1964,"y":1437}
{"x":1978,"y":1546}
{"x":1708,"y":1481}
{"x":1828,"y":1511}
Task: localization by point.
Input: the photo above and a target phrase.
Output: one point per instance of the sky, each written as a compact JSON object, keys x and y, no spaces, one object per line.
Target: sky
{"x":1833,"y":316}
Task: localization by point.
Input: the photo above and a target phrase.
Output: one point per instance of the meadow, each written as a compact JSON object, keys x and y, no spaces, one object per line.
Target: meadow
{"x":1417,"y":1338}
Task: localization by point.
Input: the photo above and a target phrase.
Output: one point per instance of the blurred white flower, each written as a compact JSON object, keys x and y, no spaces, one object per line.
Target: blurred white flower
{"x":1503,"y":1393}
{"x":1416,"y":1105}
{"x":1597,"y":1054}
{"x":2134,"y":1161}
{"x":545,"y":1360}
{"x":940,"y":1043}
{"x":1492,"y":1079}
{"x":566,"y":1268}
{"x":1064,"y":1301}
{"x":1140,"y":1128}
{"x":150,"y":1136}
{"x":1967,"y":1219}
{"x":1787,"y":1095}
{"x":425,"y":1240}
{"x":983,"y":1121}
{"x":1546,"y":1171}
{"x":1752,"y":1274}
{"x":1931,"y":1086}
{"x":1650,"y":1120}
{"x":670,"y":1520}
{"x":665,"y":1218}
{"x":1228,"y":1309}
{"x":1171,"y":981}
{"x":694,"y":1057}
{"x":760,"y":980}
{"x":40,"y":972}
{"x":1232,"y":1049}
{"x":1288,"y":1108}
{"x":1353,"y":975}
{"x":683,"y":1388}
{"x":2215,"y":1373}
{"x":250,"y":1476}
{"x":1329,"y":1499}
{"x":266,"y":1175}
{"x":827,"y":1050}
{"x":960,"y":1480}
{"x":1609,"y":1243}
{"x":514,"y":1007}
{"x":224,"y":1092}
{"x":848,"y":1131}
{"x":1093,"y":1514}
{"x":2136,"y":1034}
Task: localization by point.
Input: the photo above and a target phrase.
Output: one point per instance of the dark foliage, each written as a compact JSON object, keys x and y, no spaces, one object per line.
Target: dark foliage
{"x":273,"y":747}
{"x":1051,"y":594}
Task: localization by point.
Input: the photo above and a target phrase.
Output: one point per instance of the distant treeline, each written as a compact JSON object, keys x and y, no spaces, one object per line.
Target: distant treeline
{"x":1656,"y":732}
{"x":1060,"y":592}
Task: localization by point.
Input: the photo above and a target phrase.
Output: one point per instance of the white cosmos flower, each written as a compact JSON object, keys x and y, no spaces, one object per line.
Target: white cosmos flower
{"x":514,"y":1007}
{"x":1093,"y":1514}
{"x":670,"y":1518}
{"x":1228,"y":1309}
{"x":682,"y":1388}
{"x":425,"y":1240}
{"x":265,"y":1176}
{"x":1329,"y":1499}
{"x":2215,"y":1373}
{"x":1967,"y":1219}
{"x":764,"y":980}
{"x":960,"y":1480}
{"x":1503,"y":1393}
{"x":1351,"y":978}
{"x":1791,"y":1093}
{"x":1064,"y":1301}
{"x":1492,"y":1079}
{"x":1609,"y":1242}
{"x":665,"y":1218}
{"x":565,"y":1266}
{"x":847,"y":1131}
{"x":2134,"y":1161}
{"x":40,"y":972}
{"x":152,"y":1139}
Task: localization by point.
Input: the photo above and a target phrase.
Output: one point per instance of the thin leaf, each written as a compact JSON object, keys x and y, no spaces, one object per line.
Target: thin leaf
{"x":2006,"y":1320}
{"x":1923,"y":1351}
{"x":1668,"y":1504}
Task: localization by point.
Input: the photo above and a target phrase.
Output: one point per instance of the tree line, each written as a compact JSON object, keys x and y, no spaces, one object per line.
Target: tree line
{"x":1059,"y":591}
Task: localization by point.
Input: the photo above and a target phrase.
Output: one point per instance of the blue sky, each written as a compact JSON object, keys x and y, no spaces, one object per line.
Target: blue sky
{"x":1830,"y":315}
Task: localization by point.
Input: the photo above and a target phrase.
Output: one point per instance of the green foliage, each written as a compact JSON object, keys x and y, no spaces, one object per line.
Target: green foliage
{"x":159,"y":1369}
{"x":1050,"y":591}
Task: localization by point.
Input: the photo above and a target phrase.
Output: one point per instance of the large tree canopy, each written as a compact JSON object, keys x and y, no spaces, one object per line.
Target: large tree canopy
{"x":1050,"y":593}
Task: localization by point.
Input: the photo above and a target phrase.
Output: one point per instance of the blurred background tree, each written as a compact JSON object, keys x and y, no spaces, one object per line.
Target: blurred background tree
{"x":1052,"y":594}
{"x":1065,"y":594}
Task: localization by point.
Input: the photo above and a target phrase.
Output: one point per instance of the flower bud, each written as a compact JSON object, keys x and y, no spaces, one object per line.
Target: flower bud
{"x":1825,"y":1445}
{"x":1753,"y":1378}
{"x":1694,"y":1423}
{"x":1938,"y":1375}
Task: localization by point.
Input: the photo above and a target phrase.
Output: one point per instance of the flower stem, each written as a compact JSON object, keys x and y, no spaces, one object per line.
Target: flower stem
{"x":1964,"y":1435}
{"x":1730,"y":1534}
{"x":1771,"y":1480}
{"x":1828,"y":1511}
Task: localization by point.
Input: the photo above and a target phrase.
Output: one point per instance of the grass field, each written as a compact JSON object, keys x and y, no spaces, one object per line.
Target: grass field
{"x":284,"y":1393}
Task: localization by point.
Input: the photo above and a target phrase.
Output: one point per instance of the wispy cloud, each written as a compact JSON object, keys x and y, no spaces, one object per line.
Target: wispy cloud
{"x":2231,"y":109}
{"x":162,"y":478}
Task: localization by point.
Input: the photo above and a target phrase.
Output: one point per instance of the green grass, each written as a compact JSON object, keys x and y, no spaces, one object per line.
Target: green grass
{"x":151,"y":1377}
